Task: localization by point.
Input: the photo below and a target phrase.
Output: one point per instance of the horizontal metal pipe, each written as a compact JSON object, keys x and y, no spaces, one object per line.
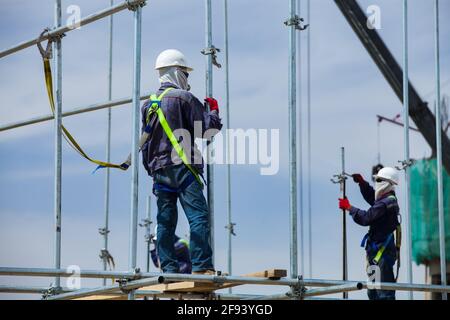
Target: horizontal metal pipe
{"x":282,"y":296}
{"x":138,"y":293}
{"x":61,"y":30}
{"x":381,"y":118}
{"x":230,"y":279}
{"x":108,"y":289}
{"x":93,"y":107}
{"x":28,"y":289}
{"x":47,"y":272}
{"x":334,"y":289}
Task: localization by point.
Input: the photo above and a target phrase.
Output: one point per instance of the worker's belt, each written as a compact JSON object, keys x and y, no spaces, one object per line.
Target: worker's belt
{"x":46,"y":56}
{"x":371,"y":246}
{"x":162,"y":187}
{"x":154,"y":106}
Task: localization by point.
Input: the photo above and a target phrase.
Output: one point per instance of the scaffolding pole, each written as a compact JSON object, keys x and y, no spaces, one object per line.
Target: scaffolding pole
{"x":299,"y":105}
{"x":67,"y":28}
{"x":48,"y":272}
{"x":135,"y":139}
{"x":308,"y":110}
{"x":292,"y":88}
{"x":406,"y":147}
{"x":227,"y":116}
{"x":105,"y":231}
{"x":75,"y":111}
{"x":209,"y":93}
{"x":148,"y":232}
{"x":58,"y":141}
{"x":132,"y":285}
{"x":443,"y":260}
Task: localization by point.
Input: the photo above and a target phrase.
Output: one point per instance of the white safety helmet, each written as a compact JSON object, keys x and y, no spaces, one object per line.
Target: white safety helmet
{"x":388,"y":174}
{"x":172,"y":58}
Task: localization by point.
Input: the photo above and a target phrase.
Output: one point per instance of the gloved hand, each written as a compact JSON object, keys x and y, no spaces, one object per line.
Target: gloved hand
{"x":357,"y":178}
{"x":344,"y":204}
{"x":213,"y":104}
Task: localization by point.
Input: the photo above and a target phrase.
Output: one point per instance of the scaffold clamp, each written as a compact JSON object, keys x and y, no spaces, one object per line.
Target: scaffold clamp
{"x":230,"y":227}
{"x":51,"y":291}
{"x":108,"y":258}
{"x":298,"y":290}
{"x":48,"y":52}
{"x":133,"y":5}
{"x":213,"y":52}
{"x":297,"y":22}
{"x":404,"y":164}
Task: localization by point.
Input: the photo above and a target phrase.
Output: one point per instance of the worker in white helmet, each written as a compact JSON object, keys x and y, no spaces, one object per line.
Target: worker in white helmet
{"x":382,"y":248}
{"x":174,"y":161}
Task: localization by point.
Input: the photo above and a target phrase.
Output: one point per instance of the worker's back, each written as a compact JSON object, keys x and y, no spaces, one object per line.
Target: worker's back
{"x":182,"y":111}
{"x":386,"y":224}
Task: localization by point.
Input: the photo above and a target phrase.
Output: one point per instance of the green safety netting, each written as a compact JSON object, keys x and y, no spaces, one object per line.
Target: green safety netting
{"x":424,"y":212}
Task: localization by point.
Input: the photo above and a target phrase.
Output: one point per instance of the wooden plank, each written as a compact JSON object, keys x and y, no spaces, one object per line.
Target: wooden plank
{"x":104,"y":297}
{"x":271,"y":274}
{"x":186,"y":286}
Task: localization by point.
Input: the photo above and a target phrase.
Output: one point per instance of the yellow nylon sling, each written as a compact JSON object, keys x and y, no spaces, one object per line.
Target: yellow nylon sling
{"x":66,"y":134}
{"x":155,"y":106}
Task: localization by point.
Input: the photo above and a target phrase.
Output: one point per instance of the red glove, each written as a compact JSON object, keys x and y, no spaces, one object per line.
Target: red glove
{"x":344,"y":204}
{"x":213,"y":105}
{"x":357,"y":178}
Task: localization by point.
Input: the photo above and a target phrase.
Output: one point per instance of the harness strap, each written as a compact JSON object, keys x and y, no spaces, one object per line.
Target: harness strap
{"x":66,"y":134}
{"x":381,"y":250}
{"x":155,"y":107}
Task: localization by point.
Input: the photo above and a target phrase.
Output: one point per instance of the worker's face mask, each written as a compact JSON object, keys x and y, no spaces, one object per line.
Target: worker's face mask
{"x":382,"y":187}
{"x":176,"y":76}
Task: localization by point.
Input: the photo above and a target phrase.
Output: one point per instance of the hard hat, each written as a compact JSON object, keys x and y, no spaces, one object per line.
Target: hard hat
{"x":172,"y":58}
{"x":388,"y":174}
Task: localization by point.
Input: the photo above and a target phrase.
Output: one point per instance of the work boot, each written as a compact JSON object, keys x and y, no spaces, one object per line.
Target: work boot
{"x":205,"y":273}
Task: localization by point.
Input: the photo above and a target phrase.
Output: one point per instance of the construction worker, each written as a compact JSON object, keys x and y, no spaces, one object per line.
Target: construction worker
{"x":181,"y":247}
{"x":176,"y":173}
{"x":382,"y":220}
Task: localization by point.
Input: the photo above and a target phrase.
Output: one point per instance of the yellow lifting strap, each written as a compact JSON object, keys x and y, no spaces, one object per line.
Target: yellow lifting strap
{"x":66,"y":134}
{"x":155,"y":106}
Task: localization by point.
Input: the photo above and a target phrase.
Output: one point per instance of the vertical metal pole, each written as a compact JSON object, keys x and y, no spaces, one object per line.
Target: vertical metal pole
{"x":108,"y":137}
{"x":148,"y":225}
{"x":135,"y":139}
{"x":406,"y":143}
{"x":308,"y":93}
{"x":344,"y":223}
{"x":209,"y":93}
{"x":443,"y":259}
{"x":300,"y":148}
{"x":227,"y":116}
{"x":58,"y":141}
{"x":292,"y":91}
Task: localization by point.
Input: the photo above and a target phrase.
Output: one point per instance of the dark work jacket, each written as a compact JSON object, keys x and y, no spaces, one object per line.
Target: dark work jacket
{"x":382,"y":217}
{"x":182,"y":111}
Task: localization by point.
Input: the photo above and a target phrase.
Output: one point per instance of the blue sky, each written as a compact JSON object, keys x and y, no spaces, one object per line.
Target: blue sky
{"x":347,"y":92}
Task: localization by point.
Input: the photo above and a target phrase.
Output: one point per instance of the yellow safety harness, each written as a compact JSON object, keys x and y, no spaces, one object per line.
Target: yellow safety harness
{"x":155,"y":107}
{"x":46,"y":56}
{"x":398,"y":244}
